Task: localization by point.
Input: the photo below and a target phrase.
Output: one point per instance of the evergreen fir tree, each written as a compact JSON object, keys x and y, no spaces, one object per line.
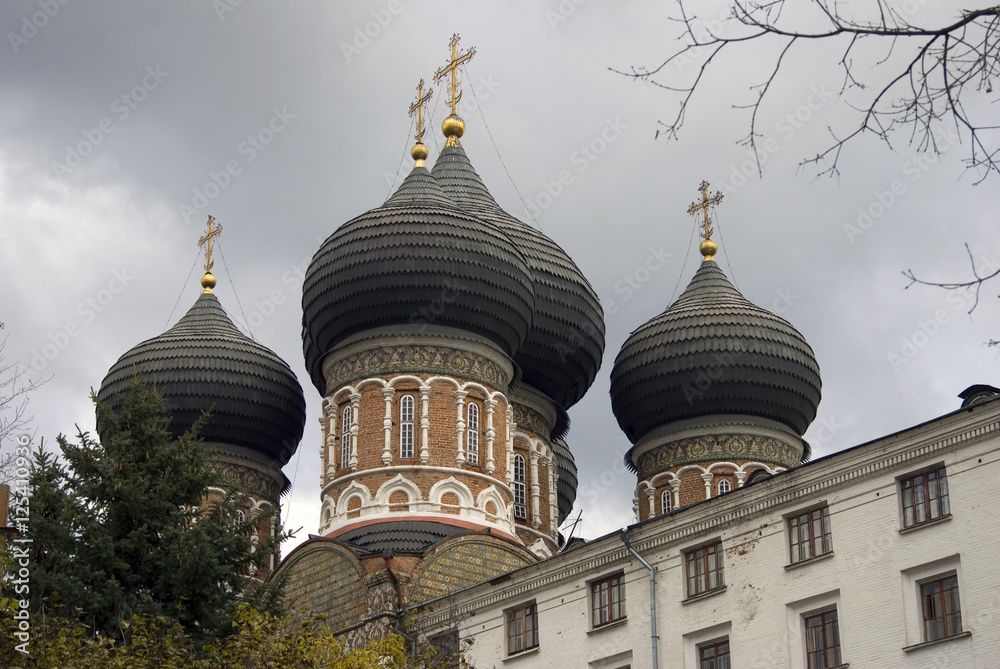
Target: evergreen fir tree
{"x":121,"y":527}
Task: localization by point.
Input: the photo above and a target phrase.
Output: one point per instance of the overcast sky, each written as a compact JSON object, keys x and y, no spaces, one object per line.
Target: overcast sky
{"x":115,"y":117}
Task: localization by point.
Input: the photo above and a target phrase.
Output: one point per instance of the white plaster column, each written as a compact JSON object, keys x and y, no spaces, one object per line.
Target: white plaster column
{"x":355,"y":415}
{"x":740,"y":478}
{"x":387,"y":394}
{"x":460,"y":396}
{"x":490,"y":435}
{"x":707,"y":478}
{"x":675,"y":486}
{"x":536,"y":518}
{"x":651,"y":500}
{"x":425,"y":425}
{"x":510,"y":443}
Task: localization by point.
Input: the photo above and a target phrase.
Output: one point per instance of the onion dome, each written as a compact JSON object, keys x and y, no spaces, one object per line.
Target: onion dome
{"x":565,"y":344}
{"x":713,"y":353}
{"x":566,"y":486}
{"x":204,"y":363}
{"x":418,"y":259}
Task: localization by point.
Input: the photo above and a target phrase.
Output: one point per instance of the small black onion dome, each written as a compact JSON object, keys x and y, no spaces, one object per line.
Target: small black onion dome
{"x":713,"y":352}
{"x":416,"y":259}
{"x":566,"y":486}
{"x":565,"y":345}
{"x":205,"y":363}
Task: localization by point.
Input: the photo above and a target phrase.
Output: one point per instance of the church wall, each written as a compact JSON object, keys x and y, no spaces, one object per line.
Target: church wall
{"x":871,"y":576}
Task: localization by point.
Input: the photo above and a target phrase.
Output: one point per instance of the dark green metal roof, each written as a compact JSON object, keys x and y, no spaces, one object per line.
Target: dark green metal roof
{"x":714,"y":352}
{"x":399,"y":536}
{"x":567,"y":483}
{"x":417,"y":259}
{"x":565,"y":345}
{"x":205,"y":363}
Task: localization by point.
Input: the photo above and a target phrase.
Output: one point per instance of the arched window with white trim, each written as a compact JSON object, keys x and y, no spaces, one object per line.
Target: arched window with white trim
{"x":520,"y":512}
{"x":406,"y":426}
{"x":725,"y":486}
{"x":345,"y":438}
{"x":666,"y":502}
{"x":472,"y":444}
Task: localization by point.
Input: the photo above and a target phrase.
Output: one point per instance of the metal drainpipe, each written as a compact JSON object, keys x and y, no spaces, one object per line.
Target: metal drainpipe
{"x":652,"y":596}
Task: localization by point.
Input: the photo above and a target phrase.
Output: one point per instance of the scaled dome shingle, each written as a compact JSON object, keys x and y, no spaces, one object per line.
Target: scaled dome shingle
{"x":713,"y":352}
{"x":417,"y":259}
{"x":565,"y":344}
{"x":205,"y":363}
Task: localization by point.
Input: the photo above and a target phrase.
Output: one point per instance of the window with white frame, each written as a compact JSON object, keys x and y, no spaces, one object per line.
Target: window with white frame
{"x":472,"y":425}
{"x":725,"y":486}
{"x":925,"y":497}
{"x":345,"y":437}
{"x":520,"y":512}
{"x":666,"y":501}
{"x":406,"y":426}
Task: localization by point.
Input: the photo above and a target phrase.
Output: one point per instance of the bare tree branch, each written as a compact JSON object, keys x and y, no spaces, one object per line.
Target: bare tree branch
{"x":976,"y":282}
{"x":949,"y":63}
{"x":15,"y":388}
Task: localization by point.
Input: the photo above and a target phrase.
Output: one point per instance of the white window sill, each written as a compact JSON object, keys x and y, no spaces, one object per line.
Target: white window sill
{"x":803,"y":563}
{"x":926,"y":644}
{"x":704,"y":595}
{"x":523,"y":653}
{"x":606,"y":626}
{"x":936,"y":521}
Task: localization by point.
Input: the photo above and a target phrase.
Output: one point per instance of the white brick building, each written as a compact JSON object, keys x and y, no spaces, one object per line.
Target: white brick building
{"x":878,"y":572}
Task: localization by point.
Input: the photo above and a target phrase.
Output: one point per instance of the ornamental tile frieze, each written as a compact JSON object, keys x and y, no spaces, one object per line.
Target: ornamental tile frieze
{"x":527,"y":418}
{"x":413,"y":358}
{"x":714,"y":448}
{"x":252,"y":481}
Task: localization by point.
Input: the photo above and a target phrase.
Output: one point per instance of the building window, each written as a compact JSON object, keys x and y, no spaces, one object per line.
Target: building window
{"x":714,"y":655}
{"x":473,"y":431}
{"x":447,"y":647}
{"x":822,"y":640}
{"x":520,"y":512}
{"x":345,"y":438}
{"x":608,"y":600}
{"x":406,"y":426}
{"x":704,"y":570}
{"x":941,"y":610}
{"x":724,"y":486}
{"x":809,"y":534}
{"x":925,"y":497}
{"x":522,"y":629}
{"x":666,"y":502}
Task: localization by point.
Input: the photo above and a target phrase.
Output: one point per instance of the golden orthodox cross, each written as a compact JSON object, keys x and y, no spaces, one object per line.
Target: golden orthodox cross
{"x":418,"y":107}
{"x":452,"y":67}
{"x":703,"y":206}
{"x":207,"y":239}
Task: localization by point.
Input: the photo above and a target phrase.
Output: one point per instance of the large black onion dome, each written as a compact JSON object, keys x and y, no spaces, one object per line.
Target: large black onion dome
{"x":566,"y":485}
{"x":713,"y":352}
{"x":205,"y":363}
{"x":565,"y":345}
{"x":417,"y":259}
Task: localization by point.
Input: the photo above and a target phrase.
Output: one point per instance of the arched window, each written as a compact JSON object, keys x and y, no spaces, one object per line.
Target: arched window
{"x":345,"y":438}
{"x":518,"y":485}
{"x":666,"y":502}
{"x":724,"y":486}
{"x":473,"y":432}
{"x":240,"y":516}
{"x":406,"y":426}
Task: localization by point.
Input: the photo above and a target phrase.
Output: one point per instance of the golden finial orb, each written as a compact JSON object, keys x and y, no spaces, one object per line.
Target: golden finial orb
{"x":453,"y":127}
{"x":208,"y":282}
{"x":419,"y":154}
{"x":708,"y":249}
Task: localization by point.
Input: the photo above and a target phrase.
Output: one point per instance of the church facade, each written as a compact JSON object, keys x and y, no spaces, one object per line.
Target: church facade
{"x":447,"y":340}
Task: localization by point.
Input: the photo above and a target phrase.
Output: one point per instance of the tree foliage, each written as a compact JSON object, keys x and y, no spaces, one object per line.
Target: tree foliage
{"x":916,"y":78}
{"x":121,"y":528}
{"x":257,"y":641}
